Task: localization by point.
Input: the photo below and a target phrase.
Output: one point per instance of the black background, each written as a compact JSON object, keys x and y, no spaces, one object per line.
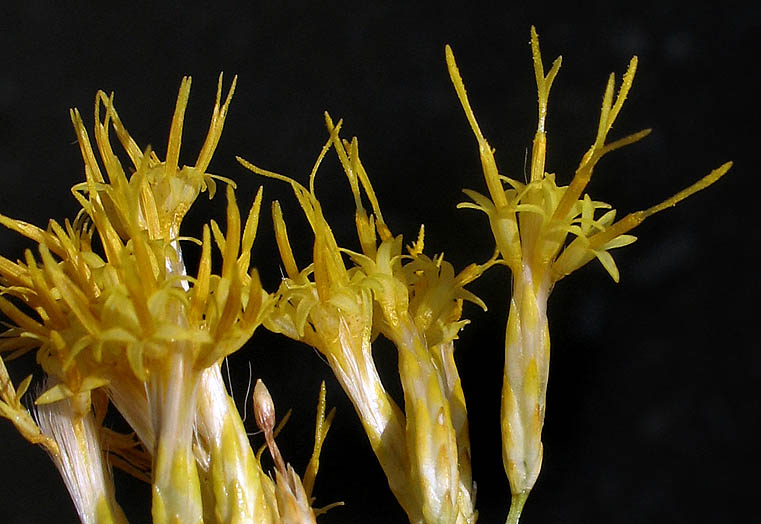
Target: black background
{"x":652,"y":405}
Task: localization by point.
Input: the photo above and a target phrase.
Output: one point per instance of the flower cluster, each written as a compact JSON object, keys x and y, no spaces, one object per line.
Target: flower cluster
{"x":124,"y":323}
{"x":411,"y":299}
{"x":115,"y":318}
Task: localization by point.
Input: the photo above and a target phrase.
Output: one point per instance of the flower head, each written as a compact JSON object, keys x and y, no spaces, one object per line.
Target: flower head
{"x":125,"y":308}
{"x":531,"y":222}
{"x":543,"y":232}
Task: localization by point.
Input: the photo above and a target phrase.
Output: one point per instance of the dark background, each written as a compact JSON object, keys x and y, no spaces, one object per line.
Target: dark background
{"x":652,"y":406}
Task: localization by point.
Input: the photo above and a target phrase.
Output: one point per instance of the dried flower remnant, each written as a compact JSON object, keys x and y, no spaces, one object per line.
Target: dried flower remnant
{"x":293,"y":495}
{"x":531,"y":224}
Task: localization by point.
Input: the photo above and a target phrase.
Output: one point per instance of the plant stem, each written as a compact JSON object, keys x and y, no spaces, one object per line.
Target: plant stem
{"x":516,"y":507}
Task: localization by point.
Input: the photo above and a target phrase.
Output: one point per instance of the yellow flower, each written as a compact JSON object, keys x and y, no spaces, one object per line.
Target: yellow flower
{"x":531,"y":224}
{"x":121,"y":314}
{"x":327,"y":306}
{"x":413,"y":300}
